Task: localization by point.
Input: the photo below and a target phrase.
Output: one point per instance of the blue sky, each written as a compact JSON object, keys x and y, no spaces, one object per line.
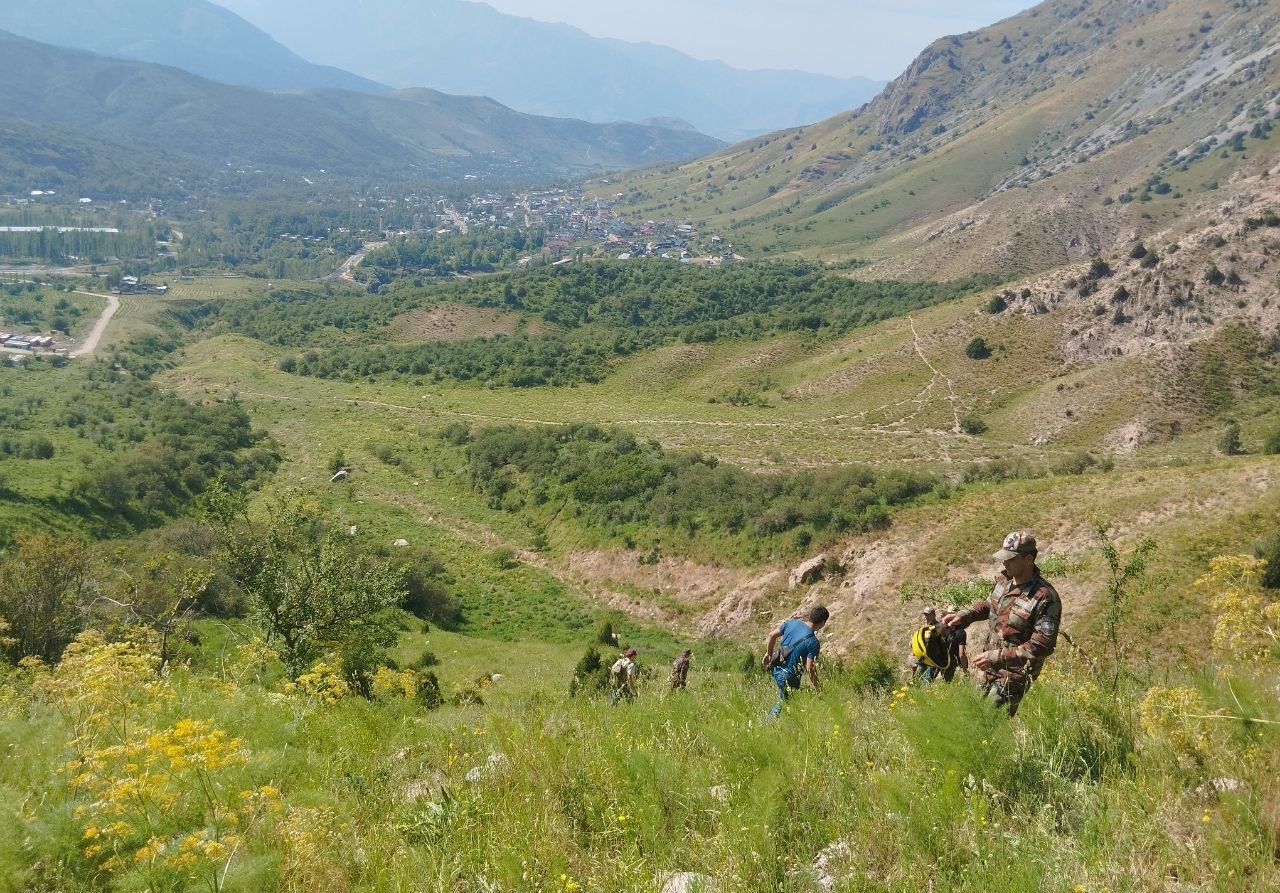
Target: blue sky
{"x":876,"y":38}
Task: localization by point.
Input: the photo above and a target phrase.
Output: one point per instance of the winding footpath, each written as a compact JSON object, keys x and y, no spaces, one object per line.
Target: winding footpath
{"x":95,"y":334}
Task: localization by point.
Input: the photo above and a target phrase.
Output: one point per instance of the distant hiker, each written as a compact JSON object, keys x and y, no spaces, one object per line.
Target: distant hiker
{"x":797,"y":651}
{"x":939,"y":649}
{"x":1024,"y":613}
{"x":680,"y":670}
{"x":622,"y":677}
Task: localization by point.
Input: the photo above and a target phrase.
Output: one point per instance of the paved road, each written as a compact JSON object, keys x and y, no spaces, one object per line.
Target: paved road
{"x":346,"y":272}
{"x":95,"y":334}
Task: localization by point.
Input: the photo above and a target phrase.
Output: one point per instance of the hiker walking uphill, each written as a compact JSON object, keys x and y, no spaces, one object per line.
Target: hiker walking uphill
{"x":622,"y":677}
{"x":680,"y":670}
{"x":1024,"y":613}
{"x":797,"y":649}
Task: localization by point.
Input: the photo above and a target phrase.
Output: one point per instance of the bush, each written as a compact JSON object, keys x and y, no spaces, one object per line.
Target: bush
{"x":997,"y":304}
{"x":977,"y":349}
{"x":1271,"y":443}
{"x":590,"y":675}
{"x":1076,"y":463}
{"x":971,"y":424}
{"x":1229,"y":441}
{"x":1214,"y":276}
{"x":605,"y":634}
{"x":874,"y":673}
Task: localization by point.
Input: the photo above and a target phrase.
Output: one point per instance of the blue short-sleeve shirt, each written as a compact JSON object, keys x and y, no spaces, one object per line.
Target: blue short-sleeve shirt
{"x":798,"y":636}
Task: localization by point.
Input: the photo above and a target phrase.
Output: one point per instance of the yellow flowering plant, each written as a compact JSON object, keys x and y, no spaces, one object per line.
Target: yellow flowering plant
{"x":1245,"y":627}
{"x":162,"y":803}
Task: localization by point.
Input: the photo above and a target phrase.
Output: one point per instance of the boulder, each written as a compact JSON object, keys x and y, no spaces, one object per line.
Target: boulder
{"x":401,"y":543}
{"x":808,"y":572}
{"x":340,"y":475}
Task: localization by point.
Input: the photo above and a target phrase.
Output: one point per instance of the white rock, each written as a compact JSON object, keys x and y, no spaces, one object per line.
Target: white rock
{"x":826,"y":865}
{"x":688,"y":882}
{"x":400,"y":543}
{"x":491,"y":767}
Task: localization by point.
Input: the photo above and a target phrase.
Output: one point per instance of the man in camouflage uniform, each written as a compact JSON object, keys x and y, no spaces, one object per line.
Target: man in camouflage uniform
{"x":680,"y":670}
{"x":1024,"y":613}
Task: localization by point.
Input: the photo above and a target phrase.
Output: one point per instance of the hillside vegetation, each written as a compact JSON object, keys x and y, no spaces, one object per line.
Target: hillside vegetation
{"x":1014,"y":148}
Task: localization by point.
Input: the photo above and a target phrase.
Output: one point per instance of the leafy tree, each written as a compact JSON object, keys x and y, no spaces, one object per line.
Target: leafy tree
{"x":1229,"y":441}
{"x":1125,"y":575}
{"x":304,"y":586}
{"x":45,"y":588}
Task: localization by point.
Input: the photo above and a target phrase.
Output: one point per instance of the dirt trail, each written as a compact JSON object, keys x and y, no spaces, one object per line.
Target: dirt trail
{"x":951,"y":390}
{"x":95,"y":334}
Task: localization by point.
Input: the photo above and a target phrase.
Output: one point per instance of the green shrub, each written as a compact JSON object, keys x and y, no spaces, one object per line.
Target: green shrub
{"x":1229,"y":441}
{"x":977,"y":349}
{"x":971,"y":424}
{"x":1271,"y":442}
{"x":876,"y":672}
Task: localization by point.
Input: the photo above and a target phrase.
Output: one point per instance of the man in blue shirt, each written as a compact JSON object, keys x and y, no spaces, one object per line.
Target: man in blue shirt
{"x":798,"y":647}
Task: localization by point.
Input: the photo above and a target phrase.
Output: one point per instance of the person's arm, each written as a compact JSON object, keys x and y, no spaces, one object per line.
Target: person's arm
{"x":770,"y":642}
{"x":812,"y":665}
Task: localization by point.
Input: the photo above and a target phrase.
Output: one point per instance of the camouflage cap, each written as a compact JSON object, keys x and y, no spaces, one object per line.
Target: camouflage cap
{"x":1020,"y":542}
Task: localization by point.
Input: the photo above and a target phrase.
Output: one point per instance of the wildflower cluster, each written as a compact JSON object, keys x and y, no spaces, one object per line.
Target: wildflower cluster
{"x":1176,"y":717}
{"x":1245,"y":628}
{"x":100,"y":685}
{"x":388,"y":683}
{"x":321,"y":683}
{"x":160,"y":801}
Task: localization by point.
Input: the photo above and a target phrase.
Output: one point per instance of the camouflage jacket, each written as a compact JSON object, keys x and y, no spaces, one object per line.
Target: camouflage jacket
{"x":679,"y":672}
{"x":1024,"y":623}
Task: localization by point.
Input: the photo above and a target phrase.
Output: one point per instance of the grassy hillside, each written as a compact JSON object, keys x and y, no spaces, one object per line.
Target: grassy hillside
{"x":522,"y":788}
{"x":1014,"y":148}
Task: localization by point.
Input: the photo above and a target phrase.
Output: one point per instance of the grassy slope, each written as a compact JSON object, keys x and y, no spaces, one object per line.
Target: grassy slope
{"x":843,"y":188}
{"x":868,"y":397}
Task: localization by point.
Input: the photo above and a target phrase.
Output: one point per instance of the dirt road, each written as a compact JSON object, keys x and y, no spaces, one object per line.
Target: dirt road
{"x":95,"y":334}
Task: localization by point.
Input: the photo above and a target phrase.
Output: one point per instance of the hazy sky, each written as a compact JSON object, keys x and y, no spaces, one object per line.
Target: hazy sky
{"x":876,"y":38}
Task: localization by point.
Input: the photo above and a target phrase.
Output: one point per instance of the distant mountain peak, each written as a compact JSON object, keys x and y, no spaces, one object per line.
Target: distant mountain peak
{"x":550,"y":69}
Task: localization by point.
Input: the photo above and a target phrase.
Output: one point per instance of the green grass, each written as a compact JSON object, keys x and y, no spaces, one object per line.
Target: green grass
{"x":534,"y":790}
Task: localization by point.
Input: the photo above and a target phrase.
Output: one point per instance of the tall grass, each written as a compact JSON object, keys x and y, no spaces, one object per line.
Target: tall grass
{"x":925,"y":788}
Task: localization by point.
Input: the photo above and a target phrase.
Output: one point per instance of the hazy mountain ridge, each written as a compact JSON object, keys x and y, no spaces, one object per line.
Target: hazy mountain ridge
{"x":550,"y":69}
{"x":194,"y":35}
{"x":1002,"y":149}
{"x":412,"y":134}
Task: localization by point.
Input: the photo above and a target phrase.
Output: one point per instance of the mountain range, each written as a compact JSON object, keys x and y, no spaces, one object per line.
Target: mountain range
{"x":546,"y":69}
{"x":194,"y":35}
{"x":59,"y":105}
